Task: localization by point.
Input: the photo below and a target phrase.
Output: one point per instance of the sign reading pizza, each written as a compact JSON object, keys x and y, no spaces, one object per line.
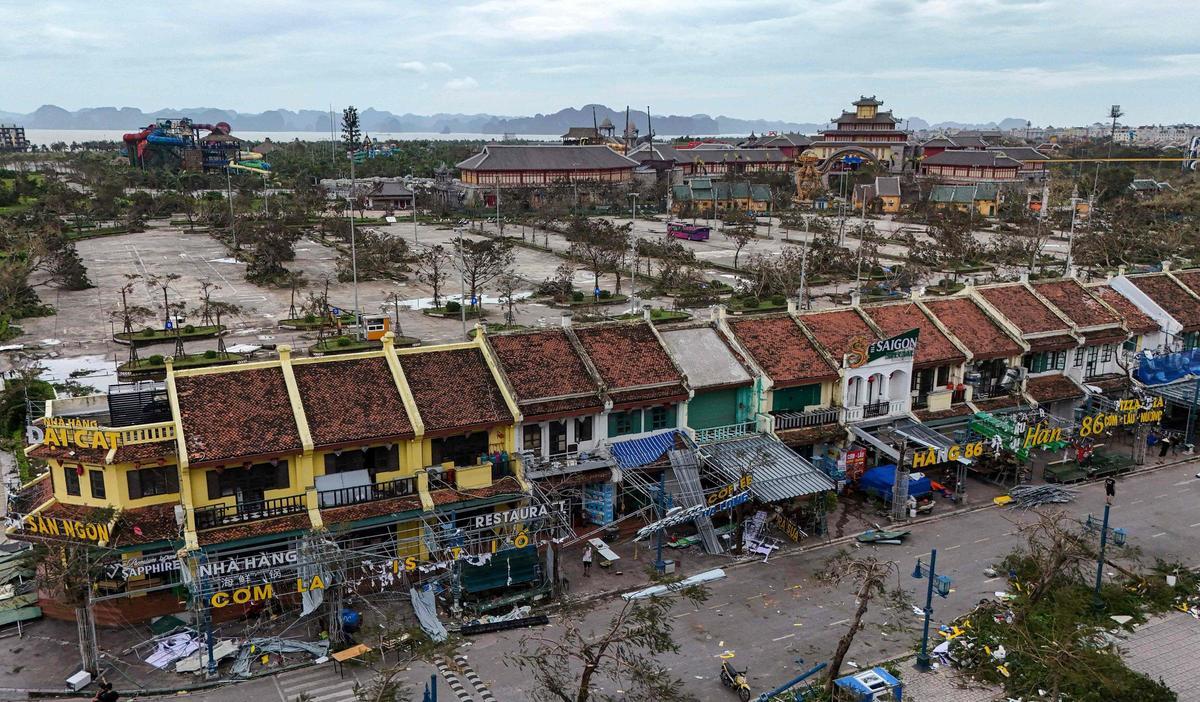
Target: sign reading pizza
{"x":863,"y":350}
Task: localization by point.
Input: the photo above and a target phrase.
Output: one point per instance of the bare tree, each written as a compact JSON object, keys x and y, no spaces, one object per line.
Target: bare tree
{"x":164,"y":283}
{"x":433,"y":266}
{"x":567,"y":668}
{"x":739,"y":229}
{"x":219,"y":309}
{"x":599,"y":244}
{"x":393,"y":298}
{"x":508,"y":285}
{"x":207,"y":288}
{"x":481,"y":261}
{"x":868,"y":577}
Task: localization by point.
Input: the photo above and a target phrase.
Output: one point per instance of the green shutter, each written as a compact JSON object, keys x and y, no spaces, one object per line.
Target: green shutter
{"x":711,"y":409}
{"x":797,"y":398}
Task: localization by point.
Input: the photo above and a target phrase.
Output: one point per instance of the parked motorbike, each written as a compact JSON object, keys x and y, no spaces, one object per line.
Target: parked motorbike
{"x":735,"y":680}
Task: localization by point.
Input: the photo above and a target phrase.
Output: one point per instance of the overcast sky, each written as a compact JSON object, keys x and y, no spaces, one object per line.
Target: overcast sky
{"x":1051,"y":61}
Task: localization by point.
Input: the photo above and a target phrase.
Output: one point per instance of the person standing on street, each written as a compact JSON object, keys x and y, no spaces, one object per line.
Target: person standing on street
{"x":587,"y":562}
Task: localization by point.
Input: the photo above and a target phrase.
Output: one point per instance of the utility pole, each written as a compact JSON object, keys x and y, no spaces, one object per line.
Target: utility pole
{"x":462,"y":281}
{"x":660,"y":566}
{"x":804,"y":269}
{"x":1071,"y":236}
{"x":414,"y":209}
{"x":633,"y":249}
{"x":499,"y":222}
{"x":943,"y":589}
{"x":232,"y":221}
{"x":354,"y":253}
{"x":1110,"y":491}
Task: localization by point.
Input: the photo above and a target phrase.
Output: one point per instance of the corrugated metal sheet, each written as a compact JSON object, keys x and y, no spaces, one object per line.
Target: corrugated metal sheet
{"x":779,"y":473}
{"x":634,"y":453}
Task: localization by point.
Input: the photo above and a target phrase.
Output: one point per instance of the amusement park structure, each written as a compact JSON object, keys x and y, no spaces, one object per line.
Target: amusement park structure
{"x":177,"y":143}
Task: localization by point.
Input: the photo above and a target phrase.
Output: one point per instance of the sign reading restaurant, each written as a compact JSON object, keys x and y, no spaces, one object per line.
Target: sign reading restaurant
{"x":520,"y":514}
{"x":863,"y":351}
{"x":57,"y":527}
{"x":71,"y":433}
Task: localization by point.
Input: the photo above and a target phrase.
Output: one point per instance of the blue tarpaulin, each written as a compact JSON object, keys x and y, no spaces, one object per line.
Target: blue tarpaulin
{"x":635,"y":453}
{"x":1167,"y":368}
{"x":879,"y":480}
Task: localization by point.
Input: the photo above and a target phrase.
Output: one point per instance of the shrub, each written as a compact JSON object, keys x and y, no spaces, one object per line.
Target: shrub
{"x":156,"y":360}
{"x":344,"y":341}
{"x":778,"y":300}
{"x":606,"y":294}
{"x":453,"y":307}
{"x":310,"y":318}
{"x":189,"y":329}
{"x":577,"y":296}
{"x":148,"y":331}
{"x":210,"y":354}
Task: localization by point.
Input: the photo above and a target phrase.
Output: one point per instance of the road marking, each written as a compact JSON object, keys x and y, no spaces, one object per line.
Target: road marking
{"x":840,"y":621}
{"x":785,"y":636}
{"x":986,"y":538}
{"x":1185,"y":482}
{"x":954,"y":547}
{"x":1161,"y":533}
{"x":1134,"y":502}
{"x":1165,"y":494}
{"x":1193,"y":526}
{"x":992,"y":579}
{"x":721,"y":605}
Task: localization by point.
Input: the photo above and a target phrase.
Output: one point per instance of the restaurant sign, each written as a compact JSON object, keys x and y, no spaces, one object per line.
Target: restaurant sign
{"x":39,"y":525}
{"x":1129,"y":413}
{"x":864,"y":351}
{"x":73,"y":433}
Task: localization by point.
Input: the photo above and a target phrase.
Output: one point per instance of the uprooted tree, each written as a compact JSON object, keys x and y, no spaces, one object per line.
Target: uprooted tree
{"x":623,"y":653}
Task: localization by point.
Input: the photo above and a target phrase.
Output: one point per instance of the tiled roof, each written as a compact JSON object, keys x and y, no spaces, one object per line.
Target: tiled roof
{"x":245,"y":530}
{"x":351,"y":401}
{"x":146,"y":525}
{"x":497,"y":157}
{"x":454,"y":390}
{"x":927,"y":415}
{"x":544,"y":364}
{"x":1191,"y":279}
{"x":1107,"y":335}
{"x":79,"y":513}
{"x":366,"y":510}
{"x":778,"y":345}
{"x":627,"y":355}
{"x":1026,"y":312}
{"x":236,"y":414}
{"x":834,"y":330}
{"x":570,"y":407}
{"x":970,"y":325}
{"x":1051,"y":388}
{"x":139,"y":454}
{"x":70,"y":454}
{"x":1135,"y":320}
{"x":31,"y":496}
{"x":1058,"y":342}
{"x":1074,"y":300}
{"x":977,"y":159}
{"x":933,"y":348}
{"x":997,"y":403}
{"x":804,"y":436}
{"x":1172,"y":297}
{"x":1110,"y":383}
{"x":664,"y":394}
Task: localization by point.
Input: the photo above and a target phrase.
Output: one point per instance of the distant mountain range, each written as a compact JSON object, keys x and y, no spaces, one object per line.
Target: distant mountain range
{"x":131,"y":118}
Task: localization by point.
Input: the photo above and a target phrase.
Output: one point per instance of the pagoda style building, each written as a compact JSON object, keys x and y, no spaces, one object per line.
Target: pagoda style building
{"x":866,"y":134}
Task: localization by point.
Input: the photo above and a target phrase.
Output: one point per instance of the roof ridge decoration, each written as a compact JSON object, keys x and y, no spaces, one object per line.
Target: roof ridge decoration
{"x":594,"y":372}
{"x":401,"y":380}
{"x":797,"y":319}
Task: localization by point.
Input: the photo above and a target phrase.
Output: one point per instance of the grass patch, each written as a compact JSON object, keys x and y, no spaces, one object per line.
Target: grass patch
{"x":659,"y":315}
{"x":349,"y":344}
{"x":158,"y":336}
{"x":191,"y":360}
{"x":494,"y":328}
{"x":751,"y":304}
{"x":309,"y":322}
{"x":578,"y":299}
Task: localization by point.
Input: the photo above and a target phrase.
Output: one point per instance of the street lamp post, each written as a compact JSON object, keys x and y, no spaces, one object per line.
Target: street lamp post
{"x":1110,"y":491}
{"x":943,"y":589}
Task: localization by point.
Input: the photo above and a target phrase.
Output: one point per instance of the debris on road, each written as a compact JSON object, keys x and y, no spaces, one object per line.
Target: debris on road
{"x":1030,"y":496}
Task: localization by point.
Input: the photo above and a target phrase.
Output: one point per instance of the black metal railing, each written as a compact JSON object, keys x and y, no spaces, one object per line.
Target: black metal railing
{"x":400,"y":487}
{"x":875,"y":409}
{"x":222,"y":515}
{"x":808,"y":418}
{"x":987,"y":392}
{"x":959,"y":395}
{"x":920,"y":402}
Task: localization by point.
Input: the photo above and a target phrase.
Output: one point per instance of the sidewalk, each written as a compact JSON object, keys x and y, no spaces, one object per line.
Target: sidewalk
{"x":1166,"y":648}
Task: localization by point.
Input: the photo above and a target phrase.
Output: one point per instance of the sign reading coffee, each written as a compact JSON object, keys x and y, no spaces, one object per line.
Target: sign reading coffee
{"x":863,"y":350}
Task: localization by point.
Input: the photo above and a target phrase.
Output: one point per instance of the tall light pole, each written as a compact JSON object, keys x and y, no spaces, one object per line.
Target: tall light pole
{"x":1110,"y":491}
{"x":354,"y":252}
{"x":943,"y":589}
{"x":232,"y":221}
{"x":1071,"y":236}
{"x":413,"y":180}
{"x":633,"y":247}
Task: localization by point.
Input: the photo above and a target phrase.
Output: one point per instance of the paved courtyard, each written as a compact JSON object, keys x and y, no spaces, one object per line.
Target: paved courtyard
{"x":1167,"y":648}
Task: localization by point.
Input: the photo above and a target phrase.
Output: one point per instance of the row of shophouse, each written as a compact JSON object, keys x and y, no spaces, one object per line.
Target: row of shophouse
{"x":467,"y":457}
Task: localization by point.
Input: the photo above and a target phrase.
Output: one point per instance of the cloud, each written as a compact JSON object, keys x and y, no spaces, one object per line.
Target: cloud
{"x":464,"y":83}
{"x":422,"y":67}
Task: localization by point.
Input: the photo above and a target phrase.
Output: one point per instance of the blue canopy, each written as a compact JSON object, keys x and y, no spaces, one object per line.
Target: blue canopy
{"x":1167,"y":368}
{"x":867,"y":685}
{"x":635,"y":453}
{"x":879,"y":480}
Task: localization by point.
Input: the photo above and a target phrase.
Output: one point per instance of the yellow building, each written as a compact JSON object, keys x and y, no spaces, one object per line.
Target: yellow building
{"x":378,"y":448}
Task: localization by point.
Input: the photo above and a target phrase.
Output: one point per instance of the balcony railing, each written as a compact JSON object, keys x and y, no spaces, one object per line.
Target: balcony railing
{"x":147,"y":433}
{"x":875,"y":409}
{"x":920,"y":401}
{"x":358,"y":494}
{"x":215,"y":516}
{"x":563,"y":463}
{"x":988,"y":392}
{"x":808,"y":418}
{"x":725,"y":432}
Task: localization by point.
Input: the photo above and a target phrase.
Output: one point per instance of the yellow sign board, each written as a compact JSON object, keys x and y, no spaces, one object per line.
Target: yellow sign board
{"x":1129,"y":413}
{"x":77,"y":433}
{"x":932,"y":456}
{"x":730,"y":489}
{"x":39,"y":525}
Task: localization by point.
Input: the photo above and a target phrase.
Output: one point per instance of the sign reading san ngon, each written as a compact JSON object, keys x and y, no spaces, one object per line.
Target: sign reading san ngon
{"x":39,"y":525}
{"x":71,"y":433}
{"x":863,"y":351}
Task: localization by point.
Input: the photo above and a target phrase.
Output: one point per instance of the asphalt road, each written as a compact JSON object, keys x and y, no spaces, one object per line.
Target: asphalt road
{"x":778,"y":620}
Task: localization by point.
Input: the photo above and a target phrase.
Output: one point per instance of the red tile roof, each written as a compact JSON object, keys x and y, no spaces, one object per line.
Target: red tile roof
{"x":1058,"y":342}
{"x":1050,"y":388}
{"x":351,"y":401}
{"x":504,"y":486}
{"x":141,"y":454}
{"x":1135,"y":320}
{"x":1025,"y":311}
{"x":1172,"y":297}
{"x":70,"y":454}
{"x":927,"y":415}
{"x":1074,"y":300}
{"x":1191,"y":279}
{"x":236,"y":414}
{"x":1111,"y":335}
{"x":997,"y":403}
{"x":146,"y":525}
{"x":366,"y":510}
{"x":544,"y":364}
{"x":245,"y":530}
{"x":984,"y":338}
{"x":454,"y":391}
{"x":778,"y":345}
{"x":32,"y":495}
{"x":834,"y":330}
{"x":627,"y":355}
{"x":667,"y":394}
{"x":933,"y":348}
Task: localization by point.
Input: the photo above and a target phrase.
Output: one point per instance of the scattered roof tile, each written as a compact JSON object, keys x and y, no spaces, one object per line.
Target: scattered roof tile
{"x":146,"y":525}
{"x":970,"y":325}
{"x":779,"y":346}
{"x":351,"y":401}
{"x":1172,"y":297}
{"x":1134,"y":318}
{"x":236,"y":414}
{"x":1023,"y":309}
{"x":627,"y":355}
{"x":141,"y":454}
{"x":1074,"y":300}
{"x":454,"y":390}
{"x":1051,"y":388}
{"x":834,"y":330}
{"x":933,"y":348}
{"x":545,"y":364}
